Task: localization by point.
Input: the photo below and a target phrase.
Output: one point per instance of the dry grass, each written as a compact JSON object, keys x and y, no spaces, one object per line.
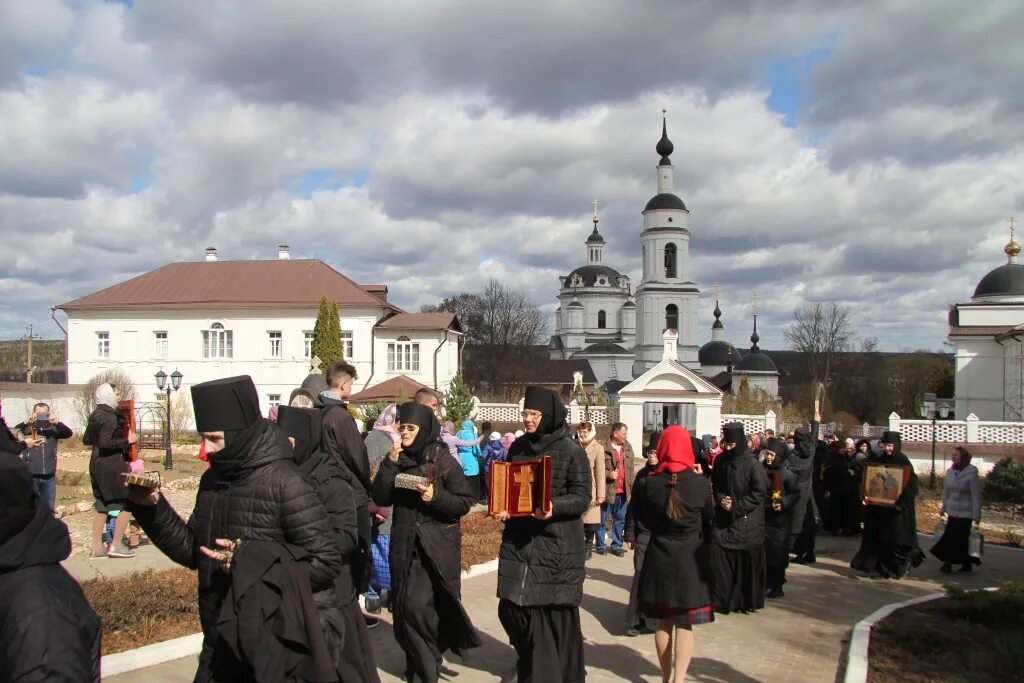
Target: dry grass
{"x":481,"y":538}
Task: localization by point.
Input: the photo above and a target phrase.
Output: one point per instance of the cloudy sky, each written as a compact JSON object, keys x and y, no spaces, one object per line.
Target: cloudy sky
{"x":868,"y":153}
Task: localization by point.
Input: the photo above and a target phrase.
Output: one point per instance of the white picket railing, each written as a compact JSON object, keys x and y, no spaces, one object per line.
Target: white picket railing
{"x":971,"y":430}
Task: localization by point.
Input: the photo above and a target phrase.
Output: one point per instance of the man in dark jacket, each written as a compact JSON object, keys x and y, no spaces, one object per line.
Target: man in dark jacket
{"x":252,"y":491}
{"x":342,"y":441}
{"x":48,"y":631}
{"x":10,"y":442}
{"x":737,"y":550}
{"x":42,"y":459}
{"x":618,"y":467}
{"x":541,"y":561}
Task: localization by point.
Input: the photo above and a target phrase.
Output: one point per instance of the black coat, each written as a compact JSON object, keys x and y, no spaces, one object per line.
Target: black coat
{"x":777,"y":524}
{"x":48,"y":631}
{"x":676,"y":573}
{"x":8,"y":442}
{"x":105,"y":433}
{"x":741,"y":477}
{"x":800,"y":462}
{"x":268,"y":500}
{"x":432,"y":529}
{"x":541,"y":562}
{"x":634,"y":529}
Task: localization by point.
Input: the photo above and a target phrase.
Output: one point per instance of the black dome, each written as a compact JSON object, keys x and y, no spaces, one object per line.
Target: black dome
{"x":718,"y":353}
{"x":1006,"y":280}
{"x":604,"y":347}
{"x":665,"y":200}
{"x":591,"y":273}
{"x":755,"y":361}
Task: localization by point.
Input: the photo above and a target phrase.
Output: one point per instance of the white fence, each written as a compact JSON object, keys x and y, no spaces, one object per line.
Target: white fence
{"x":971,"y":430}
{"x":512,"y":412}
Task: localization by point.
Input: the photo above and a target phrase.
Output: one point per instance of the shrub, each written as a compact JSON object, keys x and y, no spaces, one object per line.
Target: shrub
{"x":371,"y":411}
{"x":327,"y":335}
{"x":85,"y":401}
{"x":458,"y":402}
{"x":1005,"y":482}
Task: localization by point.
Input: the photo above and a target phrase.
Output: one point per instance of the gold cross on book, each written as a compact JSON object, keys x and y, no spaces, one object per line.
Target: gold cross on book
{"x":524,"y":478}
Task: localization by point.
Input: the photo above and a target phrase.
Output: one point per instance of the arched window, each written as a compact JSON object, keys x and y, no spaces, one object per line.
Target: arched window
{"x":672,"y":317}
{"x":403,"y":355}
{"x":217,"y":342}
{"x":601,"y":320}
{"x":670,"y":260}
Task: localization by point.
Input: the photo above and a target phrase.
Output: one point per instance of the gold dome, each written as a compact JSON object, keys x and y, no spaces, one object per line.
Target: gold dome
{"x":1012,"y":249}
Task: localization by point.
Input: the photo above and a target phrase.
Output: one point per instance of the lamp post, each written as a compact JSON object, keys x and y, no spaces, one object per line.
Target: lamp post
{"x":932,"y":408}
{"x":162,"y":385}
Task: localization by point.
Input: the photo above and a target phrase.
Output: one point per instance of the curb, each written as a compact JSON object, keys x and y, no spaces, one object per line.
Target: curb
{"x":186,"y":646}
{"x":857,"y":657}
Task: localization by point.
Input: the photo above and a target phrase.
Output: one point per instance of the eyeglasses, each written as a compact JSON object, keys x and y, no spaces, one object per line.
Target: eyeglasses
{"x":532,"y":413}
{"x":408,"y":428}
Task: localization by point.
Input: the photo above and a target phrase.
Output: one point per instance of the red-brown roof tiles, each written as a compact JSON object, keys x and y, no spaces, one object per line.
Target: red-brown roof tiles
{"x":421,"y":321}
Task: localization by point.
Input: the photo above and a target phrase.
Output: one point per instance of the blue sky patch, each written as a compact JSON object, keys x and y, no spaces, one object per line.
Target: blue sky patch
{"x":324,"y":179}
{"x":787,"y":78}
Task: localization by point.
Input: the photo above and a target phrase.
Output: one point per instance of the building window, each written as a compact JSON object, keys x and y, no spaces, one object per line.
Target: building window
{"x":160,"y":345}
{"x":403,"y":356}
{"x":672,"y":317}
{"x":601,"y":320}
{"x":274,"y":349}
{"x":307,"y":344}
{"x":670,"y":260}
{"x":103,"y":345}
{"x":346,"y":343}
{"x":217,"y":342}
{"x":274,"y":400}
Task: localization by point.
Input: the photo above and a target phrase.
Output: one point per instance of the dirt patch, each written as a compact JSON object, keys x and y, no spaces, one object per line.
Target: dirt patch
{"x":146,"y":607}
{"x":969,"y":636}
{"x":481,"y":538}
{"x":1001,"y":523}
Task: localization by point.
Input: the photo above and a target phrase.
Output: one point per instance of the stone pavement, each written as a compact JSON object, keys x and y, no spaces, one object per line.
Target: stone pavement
{"x":146,"y":557}
{"x":799,"y":638}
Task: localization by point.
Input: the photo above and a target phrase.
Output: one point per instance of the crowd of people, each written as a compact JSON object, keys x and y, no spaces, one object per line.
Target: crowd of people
{"x":308,"y":511}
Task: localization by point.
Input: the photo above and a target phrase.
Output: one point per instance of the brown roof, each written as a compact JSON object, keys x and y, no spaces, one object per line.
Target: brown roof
{"x":978,"y":331}
{"x":421,"y":321}
{"x":246,"y":284}
{"x":388,"y":390}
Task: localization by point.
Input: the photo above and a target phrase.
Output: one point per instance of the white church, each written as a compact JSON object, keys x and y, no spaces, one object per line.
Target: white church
{"x":621,"y":332}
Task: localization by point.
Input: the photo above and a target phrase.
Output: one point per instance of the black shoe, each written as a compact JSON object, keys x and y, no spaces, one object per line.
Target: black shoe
{"x":634,"y":631}
{"x":619,"y":552}
{"x":966,"y":568}
{"x":371,"y":622}
{"x":946,"y":568}
{"x":775,"y":593}
{"x":373,"y":605}
{"x":809,"y":558}
{"x":601,"y":551}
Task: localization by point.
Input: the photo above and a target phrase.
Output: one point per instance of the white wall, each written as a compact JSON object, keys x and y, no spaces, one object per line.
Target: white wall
{"x":132,"y":347}
{"x":979,"y":379}
{"x":18,"y":403}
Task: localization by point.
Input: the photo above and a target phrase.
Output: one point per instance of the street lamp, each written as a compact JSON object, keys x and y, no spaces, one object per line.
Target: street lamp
{"x":162,"y":385}
{"x":932,"y":408}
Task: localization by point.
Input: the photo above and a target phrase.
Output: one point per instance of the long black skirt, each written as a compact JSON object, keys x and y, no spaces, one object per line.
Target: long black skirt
{"x":739,"y":579}
{"x":952,"y":547}
{"x":356,"y":662}
{"x":547,"y":640}
{"x":417,"y":623}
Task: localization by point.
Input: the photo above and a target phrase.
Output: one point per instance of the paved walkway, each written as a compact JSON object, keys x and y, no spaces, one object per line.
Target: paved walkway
{"x":799,"y":638}
{"x":146,"y":557}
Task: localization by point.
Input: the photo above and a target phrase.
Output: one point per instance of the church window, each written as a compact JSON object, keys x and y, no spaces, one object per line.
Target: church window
{"x":601,"y":320}
{"x":672,"y":317}
{"x":670,"y":260}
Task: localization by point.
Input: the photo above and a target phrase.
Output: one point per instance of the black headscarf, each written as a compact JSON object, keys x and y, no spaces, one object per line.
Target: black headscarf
{"x":303,"y":425}
{"x":18,"y":497}
{"x":430,"y":429}
{"x":778,"y":447}
{"x":29,"y":533}
{"x":550,"y":405}
{"x":894,"y":438}
{"x":732,"y":432}
{"x":230,"y":405}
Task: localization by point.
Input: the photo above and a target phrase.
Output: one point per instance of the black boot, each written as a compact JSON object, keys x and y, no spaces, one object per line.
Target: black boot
{"x":946,"y":568}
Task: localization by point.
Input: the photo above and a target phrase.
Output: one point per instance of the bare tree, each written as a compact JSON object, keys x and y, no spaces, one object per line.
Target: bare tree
{"x":820,"y":331}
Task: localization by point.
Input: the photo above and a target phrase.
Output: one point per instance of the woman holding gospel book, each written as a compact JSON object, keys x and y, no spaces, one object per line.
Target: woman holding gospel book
{"x":428,"y":495}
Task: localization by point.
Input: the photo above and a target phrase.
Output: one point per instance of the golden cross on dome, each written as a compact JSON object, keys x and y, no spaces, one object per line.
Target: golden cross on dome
{"x":595,"y":203}
{"x":1012,"y":219}
{"x":755,"y":298}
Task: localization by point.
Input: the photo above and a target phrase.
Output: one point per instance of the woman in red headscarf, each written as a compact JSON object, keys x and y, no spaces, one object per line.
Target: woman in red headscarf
{"x":674,"y":502}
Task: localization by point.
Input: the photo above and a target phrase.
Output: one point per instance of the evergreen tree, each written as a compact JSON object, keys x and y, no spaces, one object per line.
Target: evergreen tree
{"x":458,"y":402}
{"x":327,"y":335}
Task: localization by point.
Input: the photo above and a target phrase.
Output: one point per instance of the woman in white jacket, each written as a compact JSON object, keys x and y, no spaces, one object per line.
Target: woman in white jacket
{"x":961,"y":501}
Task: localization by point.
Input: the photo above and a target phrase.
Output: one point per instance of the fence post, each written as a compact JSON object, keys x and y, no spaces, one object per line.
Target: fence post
{"x":972,"y":428}
{"x":894,"y":422}
{"x":770,"y":419}
{"x":865,"y":430}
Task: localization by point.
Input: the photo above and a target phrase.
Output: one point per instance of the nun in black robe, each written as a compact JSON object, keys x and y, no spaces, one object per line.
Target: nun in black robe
{"x":541,"y":561}
{"x":783,"y":495}
{"x":737,"y":551}
{"x":888,"y":544}
{"x":426,"y":546}
{"x":338,"y":607}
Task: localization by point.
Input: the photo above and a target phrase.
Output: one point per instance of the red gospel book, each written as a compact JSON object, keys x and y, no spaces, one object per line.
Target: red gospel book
{"x":127,"y":410}
{"x":520,"y":487}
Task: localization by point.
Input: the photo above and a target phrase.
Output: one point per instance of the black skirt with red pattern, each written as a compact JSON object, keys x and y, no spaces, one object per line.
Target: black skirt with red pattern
{"x":681,"y":617}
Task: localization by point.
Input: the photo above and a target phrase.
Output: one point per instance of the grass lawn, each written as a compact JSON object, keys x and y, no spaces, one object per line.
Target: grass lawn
{"x":149,"y":607}
{"x":973,"y":636}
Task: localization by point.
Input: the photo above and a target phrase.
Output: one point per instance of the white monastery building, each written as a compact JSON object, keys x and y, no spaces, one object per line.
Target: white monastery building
{"x":988,"y":333}
{"x":211,"y":318}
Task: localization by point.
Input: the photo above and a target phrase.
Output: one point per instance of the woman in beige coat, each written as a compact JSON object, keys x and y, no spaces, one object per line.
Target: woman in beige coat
{"x":595,"y":454}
